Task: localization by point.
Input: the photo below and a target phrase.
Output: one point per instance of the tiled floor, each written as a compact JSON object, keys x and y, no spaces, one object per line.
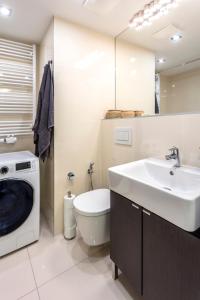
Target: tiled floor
{"x":56,"y":269}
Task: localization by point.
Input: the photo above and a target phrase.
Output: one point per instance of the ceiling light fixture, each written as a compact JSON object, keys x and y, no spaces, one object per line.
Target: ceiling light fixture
{"x":5,"y":11}
{"x":176,"y":37}
{"x":161,"y":60}
{"x":85,"y":2}
{"x":152,"y":11}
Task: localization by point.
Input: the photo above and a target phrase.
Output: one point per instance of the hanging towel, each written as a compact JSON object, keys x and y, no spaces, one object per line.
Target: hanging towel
{"x":157,"y":109}
{"x":44,"y":122}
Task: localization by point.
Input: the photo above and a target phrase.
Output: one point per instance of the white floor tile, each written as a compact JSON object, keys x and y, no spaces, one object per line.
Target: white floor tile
{"x":16,"y":276}
{"x":89,"y":280}
{"x":63,"y":269}
{"x":52,"y":256}
{"x":31,"y":296}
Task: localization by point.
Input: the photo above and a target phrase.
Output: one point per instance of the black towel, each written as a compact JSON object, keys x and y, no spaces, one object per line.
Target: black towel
{"x":44,"y":122}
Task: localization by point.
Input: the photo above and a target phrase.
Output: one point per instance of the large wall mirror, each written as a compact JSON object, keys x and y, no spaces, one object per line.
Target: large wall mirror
{"x":158,"y":66}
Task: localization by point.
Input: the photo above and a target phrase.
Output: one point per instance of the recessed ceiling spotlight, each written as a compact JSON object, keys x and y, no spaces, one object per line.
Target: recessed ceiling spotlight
{"x":176,"y":37}
{"x":5,"y":11}
{"x":161,"y":60}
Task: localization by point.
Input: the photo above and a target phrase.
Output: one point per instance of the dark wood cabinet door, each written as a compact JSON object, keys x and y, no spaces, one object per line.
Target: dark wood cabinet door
{"x":171,"y":261}
{"x":126,"y":239}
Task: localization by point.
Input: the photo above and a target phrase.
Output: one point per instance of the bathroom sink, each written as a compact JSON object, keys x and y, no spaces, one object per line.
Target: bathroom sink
{"x":173,"y":194}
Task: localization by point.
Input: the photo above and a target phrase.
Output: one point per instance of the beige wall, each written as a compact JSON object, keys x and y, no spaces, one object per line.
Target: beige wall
{"x":181,"y":93}
{"x":165,"y":92}
{"x":135,"y":77}
{"x":84,"y":72}
{"x":24,"y":143}
{"x":47,"y":169}
{"x":84,"y":90}
{"x":152,"y":137}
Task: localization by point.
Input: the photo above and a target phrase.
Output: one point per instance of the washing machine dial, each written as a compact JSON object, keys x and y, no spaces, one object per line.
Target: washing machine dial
{"x":4,"y":170}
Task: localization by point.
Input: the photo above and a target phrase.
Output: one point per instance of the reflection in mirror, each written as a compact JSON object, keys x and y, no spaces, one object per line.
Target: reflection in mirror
{"x":180,"y":89}
{"x":158,"y":66}
{"x":135,"y":77}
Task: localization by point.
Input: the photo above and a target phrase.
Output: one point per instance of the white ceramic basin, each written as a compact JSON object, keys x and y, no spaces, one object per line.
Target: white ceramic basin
{"x":148,"y":183}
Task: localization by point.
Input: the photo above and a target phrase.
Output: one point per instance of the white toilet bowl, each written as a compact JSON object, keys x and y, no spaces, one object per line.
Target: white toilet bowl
{"x":92,"y":210}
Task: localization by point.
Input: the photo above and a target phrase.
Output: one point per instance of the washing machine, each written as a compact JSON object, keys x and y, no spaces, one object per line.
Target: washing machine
{"x":19,"y":200}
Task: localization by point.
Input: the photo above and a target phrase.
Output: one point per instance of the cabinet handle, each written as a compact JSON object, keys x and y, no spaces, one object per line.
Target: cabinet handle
{"x":135,"y":206}
{"x":146,"y":212}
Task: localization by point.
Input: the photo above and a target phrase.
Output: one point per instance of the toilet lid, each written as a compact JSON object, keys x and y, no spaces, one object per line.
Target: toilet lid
{"x":93,"y":203}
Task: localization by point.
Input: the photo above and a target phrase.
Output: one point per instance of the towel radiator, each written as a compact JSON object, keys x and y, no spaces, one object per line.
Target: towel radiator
{"x":17,"y":87}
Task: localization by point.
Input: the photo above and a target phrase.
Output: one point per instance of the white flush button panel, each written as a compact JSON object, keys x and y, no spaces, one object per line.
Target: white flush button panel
{"x":123,"y":136}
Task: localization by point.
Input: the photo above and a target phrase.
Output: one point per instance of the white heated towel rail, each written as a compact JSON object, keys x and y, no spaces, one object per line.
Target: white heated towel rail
{"x":15,"y":128}
{"x":17,"y":87}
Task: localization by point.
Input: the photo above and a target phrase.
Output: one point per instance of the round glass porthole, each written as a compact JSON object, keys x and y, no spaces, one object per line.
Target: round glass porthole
{"x":16,"y":202}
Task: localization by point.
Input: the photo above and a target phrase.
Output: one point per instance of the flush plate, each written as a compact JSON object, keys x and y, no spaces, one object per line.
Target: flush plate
{"x":123,"y":136}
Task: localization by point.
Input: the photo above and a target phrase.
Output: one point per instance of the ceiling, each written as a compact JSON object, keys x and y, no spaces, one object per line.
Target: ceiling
{"x":30,"y":18}
{"x":186,"y":19}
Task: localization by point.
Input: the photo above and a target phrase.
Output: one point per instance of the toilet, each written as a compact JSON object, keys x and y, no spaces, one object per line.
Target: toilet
{"x":92,"y":211}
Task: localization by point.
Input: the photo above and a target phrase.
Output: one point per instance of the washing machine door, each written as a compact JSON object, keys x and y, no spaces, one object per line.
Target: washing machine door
{"x":16,"y":202}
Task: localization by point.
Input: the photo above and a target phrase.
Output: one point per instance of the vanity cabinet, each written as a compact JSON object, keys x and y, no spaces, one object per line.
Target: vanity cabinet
{"x":160,"y":260}
{"x":126,"y":238}
{"x":171,"y":261}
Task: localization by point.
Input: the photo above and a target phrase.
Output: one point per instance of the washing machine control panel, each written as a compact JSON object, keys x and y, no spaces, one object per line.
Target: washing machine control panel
{"x":4,"y":170}
{"x":23,"y":166}
{"x":11,"y":169}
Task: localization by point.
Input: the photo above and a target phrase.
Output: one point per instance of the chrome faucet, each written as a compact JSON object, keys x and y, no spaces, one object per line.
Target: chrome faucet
{"x":174,"y":155}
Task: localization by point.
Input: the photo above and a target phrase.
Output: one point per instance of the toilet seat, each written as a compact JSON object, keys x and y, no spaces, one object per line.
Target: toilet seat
{"x":93,"y":203}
